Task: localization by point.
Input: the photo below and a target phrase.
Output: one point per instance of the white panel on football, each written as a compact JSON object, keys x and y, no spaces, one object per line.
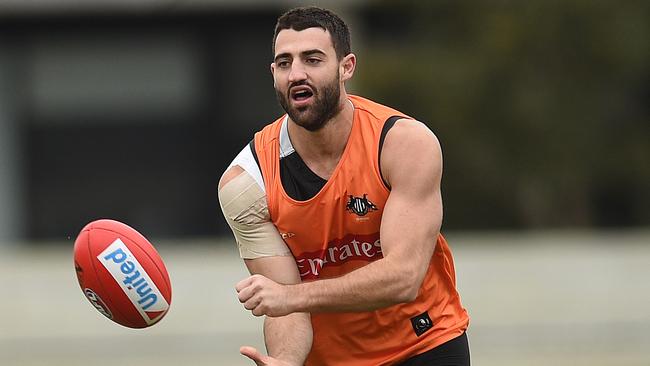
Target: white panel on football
{"x":134,"y":281}
{"x":106,"y":76}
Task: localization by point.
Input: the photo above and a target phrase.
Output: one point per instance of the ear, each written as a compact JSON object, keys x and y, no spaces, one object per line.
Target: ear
{"x":347,"y":66}
{"x":272,"y":67}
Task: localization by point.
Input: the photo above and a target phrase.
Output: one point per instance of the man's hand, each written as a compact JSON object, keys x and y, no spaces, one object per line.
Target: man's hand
{"x":263,"y":296}
{"x":260,"y":359}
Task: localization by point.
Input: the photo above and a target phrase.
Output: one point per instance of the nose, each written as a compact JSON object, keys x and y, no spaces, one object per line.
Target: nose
{"x":297,"y":73}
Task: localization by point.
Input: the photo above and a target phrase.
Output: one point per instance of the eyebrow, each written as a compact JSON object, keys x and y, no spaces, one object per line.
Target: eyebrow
{"x":303,"y":53}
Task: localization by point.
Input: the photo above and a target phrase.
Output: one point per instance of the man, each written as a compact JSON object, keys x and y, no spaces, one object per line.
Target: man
{"x":336,"y":210}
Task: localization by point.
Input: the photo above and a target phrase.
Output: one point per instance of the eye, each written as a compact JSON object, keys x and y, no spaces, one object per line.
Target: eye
{"x":283,"y":64}
{"x":313,"y":60}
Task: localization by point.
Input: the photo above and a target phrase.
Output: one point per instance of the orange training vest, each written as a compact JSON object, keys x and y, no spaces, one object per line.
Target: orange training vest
{"x":337,"y":231}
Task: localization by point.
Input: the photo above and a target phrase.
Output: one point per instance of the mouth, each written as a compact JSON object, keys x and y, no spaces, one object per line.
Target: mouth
{"x":301,"y":94}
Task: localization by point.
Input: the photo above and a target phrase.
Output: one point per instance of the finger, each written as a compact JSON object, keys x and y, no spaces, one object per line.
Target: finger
{"x":245,"y":294}
{"x":259,"y":310}
{"x":243,"y":283}
{"x":254,"y":354}
{"x":252,"y":303}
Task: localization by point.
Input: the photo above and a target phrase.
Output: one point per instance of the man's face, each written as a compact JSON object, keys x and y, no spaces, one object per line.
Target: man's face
{"x":306,"y":76}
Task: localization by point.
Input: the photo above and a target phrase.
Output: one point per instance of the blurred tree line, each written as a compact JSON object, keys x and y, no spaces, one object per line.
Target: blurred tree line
{"x":541,"y":106}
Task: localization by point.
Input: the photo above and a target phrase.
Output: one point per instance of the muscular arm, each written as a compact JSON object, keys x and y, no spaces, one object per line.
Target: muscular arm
{"x":412,"y":165}
{"x":287,"y":338}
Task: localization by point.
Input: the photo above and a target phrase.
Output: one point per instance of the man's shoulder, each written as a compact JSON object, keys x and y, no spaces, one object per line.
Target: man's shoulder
{"x":375,"y":109}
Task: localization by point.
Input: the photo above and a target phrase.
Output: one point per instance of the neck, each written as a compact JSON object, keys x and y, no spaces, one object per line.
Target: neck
{"x":322,"y":149}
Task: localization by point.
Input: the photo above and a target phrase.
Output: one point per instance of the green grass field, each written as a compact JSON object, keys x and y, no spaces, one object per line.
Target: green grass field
{"x":546,"y":298}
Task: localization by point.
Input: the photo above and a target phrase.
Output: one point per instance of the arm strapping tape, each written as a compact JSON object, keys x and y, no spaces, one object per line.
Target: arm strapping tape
{"x":244,"y":206}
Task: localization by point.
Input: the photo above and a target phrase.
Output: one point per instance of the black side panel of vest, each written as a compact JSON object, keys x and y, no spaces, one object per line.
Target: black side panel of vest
{"x":300,"y":182}
{"x":390,"y":122}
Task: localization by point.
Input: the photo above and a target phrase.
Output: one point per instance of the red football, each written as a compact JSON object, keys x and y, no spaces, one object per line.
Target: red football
{"x":121,"y":274}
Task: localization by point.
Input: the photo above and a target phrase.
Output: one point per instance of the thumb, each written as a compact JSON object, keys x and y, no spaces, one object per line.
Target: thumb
{"x":255,"y":355}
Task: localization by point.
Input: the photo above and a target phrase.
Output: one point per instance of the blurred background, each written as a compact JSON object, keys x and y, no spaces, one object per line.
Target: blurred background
{"x":131,"y":110}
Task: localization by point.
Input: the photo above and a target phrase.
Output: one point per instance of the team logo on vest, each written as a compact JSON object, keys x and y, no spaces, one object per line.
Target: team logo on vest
{"x":421,"y":323}
{"x":360,"y":205}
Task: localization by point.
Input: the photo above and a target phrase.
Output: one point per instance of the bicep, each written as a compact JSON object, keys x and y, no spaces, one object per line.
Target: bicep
{"x":243,"y":203}
{"x":412,"y":165}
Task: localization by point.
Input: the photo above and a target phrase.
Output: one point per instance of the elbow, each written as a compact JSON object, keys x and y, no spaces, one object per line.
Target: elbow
{"x":409,"y":294}
{"x":409,"y":287}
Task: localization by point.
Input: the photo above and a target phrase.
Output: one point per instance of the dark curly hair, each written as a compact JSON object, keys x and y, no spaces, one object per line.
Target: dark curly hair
{"x":314,"y":17}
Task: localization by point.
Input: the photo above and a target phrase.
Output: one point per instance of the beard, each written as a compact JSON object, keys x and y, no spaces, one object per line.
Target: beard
{"x":324,"y":107}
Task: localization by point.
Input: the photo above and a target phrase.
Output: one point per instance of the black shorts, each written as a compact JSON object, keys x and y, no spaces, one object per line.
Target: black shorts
{"x":451,"y":353}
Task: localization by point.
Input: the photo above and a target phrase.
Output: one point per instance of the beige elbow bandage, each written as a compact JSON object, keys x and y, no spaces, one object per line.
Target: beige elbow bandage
{"x":244,"y":206}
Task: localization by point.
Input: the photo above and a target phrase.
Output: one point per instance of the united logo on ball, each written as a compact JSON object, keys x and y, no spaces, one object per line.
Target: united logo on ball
{"x":122,"y":274}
